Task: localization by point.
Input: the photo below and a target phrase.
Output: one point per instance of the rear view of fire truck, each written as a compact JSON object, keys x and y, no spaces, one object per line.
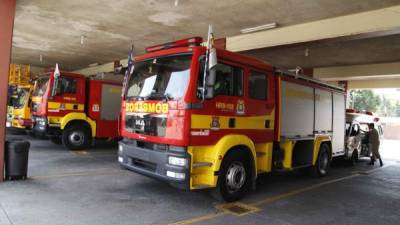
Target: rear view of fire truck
{"x":197,"y":127}
{"x":73,"y":109}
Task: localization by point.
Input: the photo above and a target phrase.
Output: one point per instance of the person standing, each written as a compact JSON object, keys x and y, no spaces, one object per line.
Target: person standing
{"x":373,"y":137}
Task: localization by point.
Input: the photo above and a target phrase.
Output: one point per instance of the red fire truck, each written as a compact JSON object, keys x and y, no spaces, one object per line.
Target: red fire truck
{"x":253,"y":119}
{"x":76,"y":109}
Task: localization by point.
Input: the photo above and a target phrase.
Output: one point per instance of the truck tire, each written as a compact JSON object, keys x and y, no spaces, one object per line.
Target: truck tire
{"x":321,"y":166}
{"x":234,"y":177}
{"x":56,"y":140}
{"x":76,"y":137}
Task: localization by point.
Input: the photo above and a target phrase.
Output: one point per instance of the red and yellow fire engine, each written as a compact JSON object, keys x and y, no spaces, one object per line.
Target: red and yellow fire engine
{"x":224,"y":129}
{"x":72,"y":109}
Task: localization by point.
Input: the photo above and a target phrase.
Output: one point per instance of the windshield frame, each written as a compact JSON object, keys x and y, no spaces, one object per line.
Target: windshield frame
{"x":190,"y":55}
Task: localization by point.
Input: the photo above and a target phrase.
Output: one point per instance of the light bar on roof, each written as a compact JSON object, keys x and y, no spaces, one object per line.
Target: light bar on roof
{"x":188,"y":42}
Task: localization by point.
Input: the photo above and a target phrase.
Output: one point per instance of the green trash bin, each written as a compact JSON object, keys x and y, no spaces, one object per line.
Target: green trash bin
{"x":16,"y":159}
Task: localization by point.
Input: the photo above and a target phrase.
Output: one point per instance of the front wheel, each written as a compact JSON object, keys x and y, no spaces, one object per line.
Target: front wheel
{"x":76,"y":137}
{"x":321,"y":166}
{"x":234,"y":178}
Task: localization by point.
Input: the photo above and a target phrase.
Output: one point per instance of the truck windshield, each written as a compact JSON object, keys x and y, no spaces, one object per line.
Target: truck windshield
{"x":40,"y":86}
{"x":163,"y":78}
{"x":22,"y":96}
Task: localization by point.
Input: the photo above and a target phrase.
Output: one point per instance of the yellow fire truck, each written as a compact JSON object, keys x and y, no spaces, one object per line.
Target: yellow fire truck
{"x":20,"y":90}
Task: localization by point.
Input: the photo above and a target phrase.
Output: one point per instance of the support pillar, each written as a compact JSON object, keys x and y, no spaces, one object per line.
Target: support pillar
{"x":7,"y":13}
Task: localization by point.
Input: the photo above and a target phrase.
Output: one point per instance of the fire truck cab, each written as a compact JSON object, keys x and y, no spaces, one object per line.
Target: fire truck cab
{"x":252,"y":120}
{"x":18,"y":111}
{"x":77,"y":110}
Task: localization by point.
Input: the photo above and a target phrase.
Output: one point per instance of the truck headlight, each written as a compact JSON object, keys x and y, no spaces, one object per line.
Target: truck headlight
{"x":120,"y":148}
{"x":176,"y":175}
{"x":177,"y":161}
{"x":120,"y":159}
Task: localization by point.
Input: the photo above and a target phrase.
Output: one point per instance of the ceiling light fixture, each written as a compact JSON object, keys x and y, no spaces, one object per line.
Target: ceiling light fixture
{"x":41,"y":58}
{"x":83,"y":37}
{"x":259,"y":28}
{"x":176,"y":3}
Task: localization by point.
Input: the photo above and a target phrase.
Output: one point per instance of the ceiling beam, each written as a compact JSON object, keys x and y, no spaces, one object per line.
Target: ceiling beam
{"x":360,"y":25}
{"x":359,"y":72}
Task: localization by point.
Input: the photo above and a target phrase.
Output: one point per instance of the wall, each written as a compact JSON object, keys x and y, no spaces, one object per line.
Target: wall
{"x":7,"y":13}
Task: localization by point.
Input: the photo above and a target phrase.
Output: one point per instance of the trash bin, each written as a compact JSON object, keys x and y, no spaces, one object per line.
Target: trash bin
{"x":16,"y":159}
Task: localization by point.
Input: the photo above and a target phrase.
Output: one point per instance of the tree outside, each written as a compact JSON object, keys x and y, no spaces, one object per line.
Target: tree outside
{"x":368,"y":100}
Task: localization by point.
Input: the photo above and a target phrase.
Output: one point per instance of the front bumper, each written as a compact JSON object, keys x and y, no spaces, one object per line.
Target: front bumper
{"x":39,"y":125}
{"x":154,"y":163}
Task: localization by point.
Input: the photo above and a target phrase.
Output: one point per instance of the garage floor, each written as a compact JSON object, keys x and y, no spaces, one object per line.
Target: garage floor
{"x":88,"y":187}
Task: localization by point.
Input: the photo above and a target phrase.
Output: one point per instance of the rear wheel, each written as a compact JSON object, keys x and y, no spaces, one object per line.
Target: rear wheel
{"x":321,"y":166}
{"x":234,"y":178}
{"x":76,"y":137}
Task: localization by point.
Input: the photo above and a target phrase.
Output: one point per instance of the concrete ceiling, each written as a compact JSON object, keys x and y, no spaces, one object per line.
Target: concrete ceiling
{"x":53,"y":29}
{"x":333,"y":53}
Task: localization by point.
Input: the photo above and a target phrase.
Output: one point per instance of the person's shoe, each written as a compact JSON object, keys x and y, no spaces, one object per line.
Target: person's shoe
{"x":380,"y":162}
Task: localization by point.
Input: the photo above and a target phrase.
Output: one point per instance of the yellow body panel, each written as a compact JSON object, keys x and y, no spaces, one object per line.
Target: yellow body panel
{"x":250,"y":122}
{"x":287,"y":146}
{"x":264,"y":157}
{"x":64,"y":106}
{"x":75,"y":116}
{"x":319,"y":139}
{"x":36,"y":98}
{"x":214,"y":154}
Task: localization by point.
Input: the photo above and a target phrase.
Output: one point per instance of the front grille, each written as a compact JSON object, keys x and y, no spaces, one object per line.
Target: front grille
{"x":149,"y":125}
{"x":143,"y":164}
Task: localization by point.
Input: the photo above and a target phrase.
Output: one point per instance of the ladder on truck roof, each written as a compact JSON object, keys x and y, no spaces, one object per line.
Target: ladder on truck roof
{"x":305,"y":78}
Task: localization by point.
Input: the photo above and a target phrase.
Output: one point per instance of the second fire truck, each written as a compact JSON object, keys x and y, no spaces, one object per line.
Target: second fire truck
{"x":75,"y":109}
{"x":252,"y":119}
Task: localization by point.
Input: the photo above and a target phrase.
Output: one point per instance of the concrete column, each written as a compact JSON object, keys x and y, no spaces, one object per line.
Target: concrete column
{"x":7,"y":13}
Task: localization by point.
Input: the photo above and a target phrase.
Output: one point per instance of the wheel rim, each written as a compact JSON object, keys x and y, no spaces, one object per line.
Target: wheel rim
{"x":323,"y":162}
{"x":77,"y":138}
{"x":235,"y":177}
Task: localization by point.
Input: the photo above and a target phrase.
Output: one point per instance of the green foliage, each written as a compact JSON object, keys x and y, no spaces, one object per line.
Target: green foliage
{"x":365,"y":100}
{"x":369,"y":101}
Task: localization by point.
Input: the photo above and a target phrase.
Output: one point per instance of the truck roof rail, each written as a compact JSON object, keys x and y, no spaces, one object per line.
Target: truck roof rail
{"x":283,"y":72}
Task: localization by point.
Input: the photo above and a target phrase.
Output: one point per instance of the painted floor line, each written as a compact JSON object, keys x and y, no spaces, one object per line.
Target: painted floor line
{"x":199,"y":219}
{"x":271,"y":199}
{"x":6,"y":214}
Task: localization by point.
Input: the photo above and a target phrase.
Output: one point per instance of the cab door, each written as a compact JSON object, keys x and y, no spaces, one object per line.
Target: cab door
{"x":69,"y":96}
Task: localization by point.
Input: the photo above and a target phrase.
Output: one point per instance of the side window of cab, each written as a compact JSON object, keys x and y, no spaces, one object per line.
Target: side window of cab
{"x":228,"y":80}
{"x":66,"y":85}
{"x":258,"y":86}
